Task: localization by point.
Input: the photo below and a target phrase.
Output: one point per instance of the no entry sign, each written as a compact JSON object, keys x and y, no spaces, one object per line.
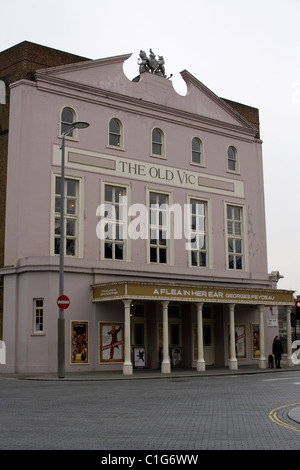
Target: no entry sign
{"x":63,"y":301}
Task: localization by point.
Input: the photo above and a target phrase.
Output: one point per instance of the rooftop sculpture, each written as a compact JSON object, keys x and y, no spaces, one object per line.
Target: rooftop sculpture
{"x":151,"y":64}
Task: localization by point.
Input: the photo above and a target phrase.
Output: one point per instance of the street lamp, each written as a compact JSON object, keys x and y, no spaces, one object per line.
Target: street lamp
{"x":61,"y":320}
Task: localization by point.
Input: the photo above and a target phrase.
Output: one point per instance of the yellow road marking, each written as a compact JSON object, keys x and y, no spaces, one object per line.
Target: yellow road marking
{"x":274,"y":417}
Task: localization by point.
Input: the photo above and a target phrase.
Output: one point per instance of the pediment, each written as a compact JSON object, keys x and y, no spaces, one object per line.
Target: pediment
{"x":107,"y":75}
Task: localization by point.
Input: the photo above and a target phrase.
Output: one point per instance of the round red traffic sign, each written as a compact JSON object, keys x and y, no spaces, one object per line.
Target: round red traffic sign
{"x":63,"y":301}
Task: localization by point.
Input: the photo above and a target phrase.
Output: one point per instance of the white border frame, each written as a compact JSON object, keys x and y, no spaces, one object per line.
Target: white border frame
{"x":127,"y":244}
{"x":202,"y":159}
{"x":122,"y":136}
{"x":237,"y":170}
{"x":244,"y":237}
{"x":209,"y":230}
{"x":170,"y":245}
{"x":163,"y":155}
{"x":80,"y":236}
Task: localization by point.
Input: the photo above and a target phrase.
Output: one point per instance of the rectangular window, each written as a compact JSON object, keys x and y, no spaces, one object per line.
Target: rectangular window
{"x":159,"y":228}
{"x":71,"y":201}
{"x":198,"y":249}
{"x":115,"y":222}
{"x":38,"y":315}
{"x":235,"y":250}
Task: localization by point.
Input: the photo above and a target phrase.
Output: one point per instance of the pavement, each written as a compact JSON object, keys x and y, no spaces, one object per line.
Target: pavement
{"x":147,"y":374}
{"x":142,"y":373}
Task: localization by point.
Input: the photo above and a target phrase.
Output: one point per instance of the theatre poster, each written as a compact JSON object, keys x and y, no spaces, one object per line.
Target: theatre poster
{"x":111,"y":339}
{"x":79,"y":342}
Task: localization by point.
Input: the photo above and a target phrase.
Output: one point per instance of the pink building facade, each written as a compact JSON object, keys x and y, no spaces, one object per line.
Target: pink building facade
{"x":165,"y":238}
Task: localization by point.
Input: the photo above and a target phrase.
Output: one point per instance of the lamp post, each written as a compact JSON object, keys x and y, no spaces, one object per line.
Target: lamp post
{"x":61,"y":320}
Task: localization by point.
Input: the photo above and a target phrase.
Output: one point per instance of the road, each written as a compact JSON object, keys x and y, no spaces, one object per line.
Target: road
{"x":233,"y":412}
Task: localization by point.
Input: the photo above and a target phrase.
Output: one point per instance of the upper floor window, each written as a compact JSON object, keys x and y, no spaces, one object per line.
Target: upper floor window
{"x":71,"y":217}
{"x":159,"y":228}
{"x":115,"y":222}
{"x":197,"y":156}
{"x":235,"y":238}
{"x":68,"y":116}
{"x":232,"y":160}
{"x":158,"y":147}
{"x":198,"y":230}
{"x":115,"y":134}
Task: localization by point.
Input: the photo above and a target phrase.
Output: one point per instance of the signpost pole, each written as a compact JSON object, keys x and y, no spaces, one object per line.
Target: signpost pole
{"x":62,"y":306}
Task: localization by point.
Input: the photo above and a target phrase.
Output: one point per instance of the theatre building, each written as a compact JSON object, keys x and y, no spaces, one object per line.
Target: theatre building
{"x":162,"y":228}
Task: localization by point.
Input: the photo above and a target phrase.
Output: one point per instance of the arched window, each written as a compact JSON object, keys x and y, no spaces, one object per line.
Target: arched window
{"x":196,"y":151}
{"x":68,"y":116}
{"x":115,"y":133}
{"x":232,"y":162}
{"x":157,"y":142}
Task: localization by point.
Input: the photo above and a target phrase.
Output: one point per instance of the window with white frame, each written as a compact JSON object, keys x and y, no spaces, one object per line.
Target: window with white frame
{"x":115,"y":133}
{"x":235,"y":241}
{"x":68,"y":116}
{"x":115,"y":222}
{"x":197,"y":154}
{"x":38,"y":315}
{"x":232,"y":159}
{"x":159,"y":228}
{"x":198,"y":233}
{"x":158,"y":145}
{"x":71,"y":216}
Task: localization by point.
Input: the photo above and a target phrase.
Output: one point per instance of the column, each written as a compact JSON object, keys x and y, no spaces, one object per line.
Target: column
{"x":127,"y":366}
{"x":233,"y":365}
{"x":289,"y":361}
{"x":262,"y":356}
{"x":200,"y":360}
{"x":165,"y":365}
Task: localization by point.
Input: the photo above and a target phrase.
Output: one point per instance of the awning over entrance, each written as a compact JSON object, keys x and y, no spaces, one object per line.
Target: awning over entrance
{"x":189,"y":293}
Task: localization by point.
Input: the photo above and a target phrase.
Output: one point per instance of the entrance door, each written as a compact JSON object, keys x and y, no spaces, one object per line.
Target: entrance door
{"x":208,"y":342}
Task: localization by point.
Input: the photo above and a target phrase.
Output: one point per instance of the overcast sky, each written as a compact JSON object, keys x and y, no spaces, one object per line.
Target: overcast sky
{"x":243,"y":50}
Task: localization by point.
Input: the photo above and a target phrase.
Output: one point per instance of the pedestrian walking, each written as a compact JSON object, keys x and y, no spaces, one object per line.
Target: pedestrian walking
{"x":277,"y":351}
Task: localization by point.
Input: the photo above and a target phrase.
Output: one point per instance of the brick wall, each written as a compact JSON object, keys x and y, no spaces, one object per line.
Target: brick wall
{"x":249,"y":113}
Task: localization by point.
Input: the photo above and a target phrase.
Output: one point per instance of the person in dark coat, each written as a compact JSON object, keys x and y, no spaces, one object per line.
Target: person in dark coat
{"x":277,"y":351}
